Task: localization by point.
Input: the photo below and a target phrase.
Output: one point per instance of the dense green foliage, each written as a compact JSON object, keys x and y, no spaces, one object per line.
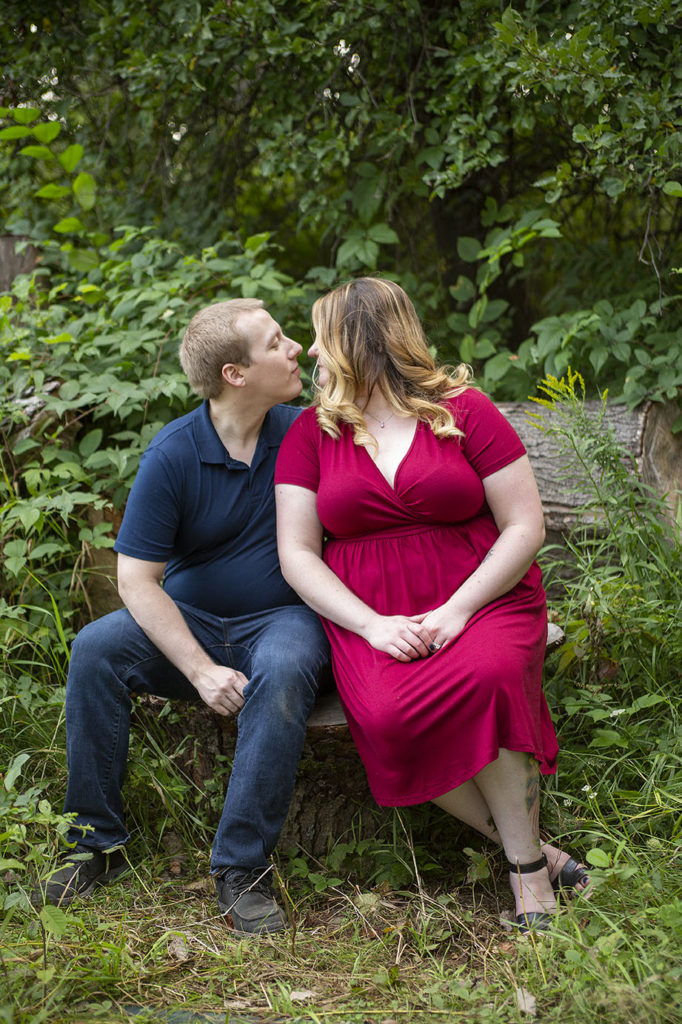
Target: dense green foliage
{"x":519,"y":171}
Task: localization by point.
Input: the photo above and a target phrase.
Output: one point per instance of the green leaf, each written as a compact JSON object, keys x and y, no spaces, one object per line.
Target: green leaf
{"x":598,"y":858}
{"x":24,"y":115}
{"x":68,"y":224}
{"x":494,"y":309}
{"x":648,"y":700}
{"x":83,"y":260}
{"x":84,"y":190}
{"x":383,"y":234}
{"x":53,"y":191}
{"x":497,"y":367}
{"x":46,"y":131}
{"x":38,"y":152}
{"x":580,"y":133}
{"x":673,"y":188}
{"x":484,"y":348}
{"x":468,"y":249}
{"x":256,"y":242}
{"x":14,"y":132}
{"x":477,"y":311}
{"x":54,"y":920}
{"x":70,"y":157}
{"x":90,"y":442}
{"x":28,"y":516}
{"x":14,"y":771}
{"x":11,"y":865}
{"x":607,"y":738}
{"x":463,"y":290}
{"x":466,"y":348}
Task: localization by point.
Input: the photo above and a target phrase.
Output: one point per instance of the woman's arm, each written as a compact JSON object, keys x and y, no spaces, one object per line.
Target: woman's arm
{"x":512,"y":496}
{"x":299,"y":541}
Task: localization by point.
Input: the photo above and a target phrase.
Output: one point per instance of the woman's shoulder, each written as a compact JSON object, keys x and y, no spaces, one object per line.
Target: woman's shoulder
{"x":469,"y":397}
{"x":470,"y":401}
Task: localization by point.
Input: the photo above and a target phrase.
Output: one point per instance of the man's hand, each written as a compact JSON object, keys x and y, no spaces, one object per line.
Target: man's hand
{"x":221,"y":688}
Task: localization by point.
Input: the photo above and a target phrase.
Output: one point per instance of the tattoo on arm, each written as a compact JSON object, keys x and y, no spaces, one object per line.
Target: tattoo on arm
{"x":489,"y":553}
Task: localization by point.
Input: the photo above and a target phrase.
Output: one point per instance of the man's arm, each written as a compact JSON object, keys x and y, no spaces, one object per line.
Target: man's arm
{"x":139,"y":584}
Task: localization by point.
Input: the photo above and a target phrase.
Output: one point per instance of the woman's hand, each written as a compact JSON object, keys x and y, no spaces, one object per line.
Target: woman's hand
{"x":444,"y":624}
{"x":402,"y":636}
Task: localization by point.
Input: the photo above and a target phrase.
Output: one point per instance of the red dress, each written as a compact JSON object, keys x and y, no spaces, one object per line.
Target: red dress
{"x":424,"y":727}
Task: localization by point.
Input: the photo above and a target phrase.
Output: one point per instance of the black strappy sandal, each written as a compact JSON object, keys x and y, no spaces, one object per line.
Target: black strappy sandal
{"x":534,"y":920}
{"x":569,"y":878}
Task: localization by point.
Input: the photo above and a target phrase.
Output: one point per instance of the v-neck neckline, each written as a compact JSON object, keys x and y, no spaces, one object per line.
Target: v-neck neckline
{"x":392,"y":486}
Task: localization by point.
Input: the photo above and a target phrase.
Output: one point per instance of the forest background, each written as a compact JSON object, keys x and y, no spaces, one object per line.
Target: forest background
{"x":519,"y":172}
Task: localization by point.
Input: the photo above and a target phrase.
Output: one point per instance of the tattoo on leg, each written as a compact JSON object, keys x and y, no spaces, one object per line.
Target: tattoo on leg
{"x":533,"y":795}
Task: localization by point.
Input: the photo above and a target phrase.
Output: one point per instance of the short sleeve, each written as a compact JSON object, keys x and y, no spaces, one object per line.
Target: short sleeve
{"x":152,"y":513}
{"x":298,"y":461}
{"x":490,"y":442}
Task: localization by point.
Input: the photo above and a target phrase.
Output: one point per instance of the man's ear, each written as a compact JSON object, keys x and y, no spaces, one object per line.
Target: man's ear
{"x":233,"y":374}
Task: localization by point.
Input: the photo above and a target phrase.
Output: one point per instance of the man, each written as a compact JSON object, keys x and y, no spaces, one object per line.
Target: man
{"x":208,"y":615}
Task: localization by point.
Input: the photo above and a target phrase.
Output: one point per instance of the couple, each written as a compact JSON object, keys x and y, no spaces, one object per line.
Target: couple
{"x":408,"y":519}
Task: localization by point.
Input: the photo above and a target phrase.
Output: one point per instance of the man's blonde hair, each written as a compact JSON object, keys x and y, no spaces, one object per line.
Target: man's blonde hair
{"x":213,"y":338}
{"x":369,"y":336}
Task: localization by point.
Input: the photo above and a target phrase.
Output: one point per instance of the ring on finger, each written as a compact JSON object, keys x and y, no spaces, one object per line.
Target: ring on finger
{"x":435,"y":647}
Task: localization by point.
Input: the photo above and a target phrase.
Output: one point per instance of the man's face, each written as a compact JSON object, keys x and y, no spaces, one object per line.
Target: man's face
{"x":274,"y":373}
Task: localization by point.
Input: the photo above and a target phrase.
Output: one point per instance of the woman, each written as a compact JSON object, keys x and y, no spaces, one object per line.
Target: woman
{"x":426,"y":581}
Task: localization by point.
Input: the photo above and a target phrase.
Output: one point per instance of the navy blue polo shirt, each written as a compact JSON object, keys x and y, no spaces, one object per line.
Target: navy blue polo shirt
{"x":211,"y":518}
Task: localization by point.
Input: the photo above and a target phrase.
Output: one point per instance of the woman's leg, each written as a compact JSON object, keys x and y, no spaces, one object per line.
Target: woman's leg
{"x":511,"y":788}
{"x":467,"y":804}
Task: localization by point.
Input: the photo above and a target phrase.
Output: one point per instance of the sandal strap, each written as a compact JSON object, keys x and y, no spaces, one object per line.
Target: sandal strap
{"x":536,"y":920}
{"x":527,"y":869}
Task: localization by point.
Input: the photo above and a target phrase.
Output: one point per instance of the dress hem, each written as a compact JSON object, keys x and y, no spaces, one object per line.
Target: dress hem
{"x":547,"y":767}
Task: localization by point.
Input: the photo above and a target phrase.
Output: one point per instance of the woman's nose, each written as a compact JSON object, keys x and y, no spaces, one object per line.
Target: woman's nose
{"x":314,"y":350}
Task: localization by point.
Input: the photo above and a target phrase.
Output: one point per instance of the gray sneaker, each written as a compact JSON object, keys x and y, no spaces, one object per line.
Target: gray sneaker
{"x":246,"y":894}
{"x":83,"y":868}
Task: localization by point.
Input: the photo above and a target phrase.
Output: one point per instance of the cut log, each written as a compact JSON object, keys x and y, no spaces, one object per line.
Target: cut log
{"x":645,"y":433}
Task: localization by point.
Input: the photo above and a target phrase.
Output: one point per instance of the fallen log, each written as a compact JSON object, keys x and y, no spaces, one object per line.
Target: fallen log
{"x":645,"y":433}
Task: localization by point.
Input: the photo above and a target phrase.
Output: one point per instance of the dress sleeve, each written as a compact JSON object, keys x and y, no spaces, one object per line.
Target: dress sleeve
{"x":152,"y":513}
{"x":490,"y":442}
{"x":298,"y":461}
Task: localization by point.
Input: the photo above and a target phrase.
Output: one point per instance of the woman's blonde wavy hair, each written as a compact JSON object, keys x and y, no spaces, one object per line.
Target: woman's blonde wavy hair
{"x":369,"y":336}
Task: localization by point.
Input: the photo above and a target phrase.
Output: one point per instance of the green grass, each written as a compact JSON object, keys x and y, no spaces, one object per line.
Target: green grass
{"x":357,"y":953}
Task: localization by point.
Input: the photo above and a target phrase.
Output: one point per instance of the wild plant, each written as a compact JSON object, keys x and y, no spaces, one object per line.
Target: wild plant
{"x":616,"y":683}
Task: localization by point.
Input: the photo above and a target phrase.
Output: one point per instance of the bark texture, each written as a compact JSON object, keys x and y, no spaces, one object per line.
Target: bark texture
{"x":645,"y":433}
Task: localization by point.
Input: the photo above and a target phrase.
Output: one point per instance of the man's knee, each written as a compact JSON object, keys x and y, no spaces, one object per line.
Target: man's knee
{"x":101,"y":639}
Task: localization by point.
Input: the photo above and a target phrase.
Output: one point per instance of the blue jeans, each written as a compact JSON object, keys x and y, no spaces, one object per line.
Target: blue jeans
{"x":281,"y":652}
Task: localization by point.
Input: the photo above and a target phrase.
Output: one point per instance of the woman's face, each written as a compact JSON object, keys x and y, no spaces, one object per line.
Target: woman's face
{"x":322,"y":371}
